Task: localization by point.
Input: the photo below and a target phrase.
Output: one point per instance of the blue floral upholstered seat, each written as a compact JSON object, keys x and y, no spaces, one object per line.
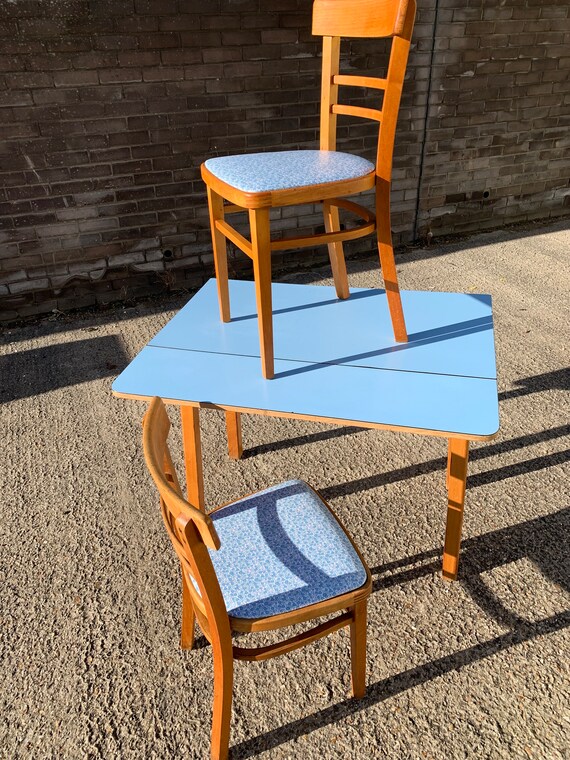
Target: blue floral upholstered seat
{"x":265,"y":172}
{"x":282,"y":549}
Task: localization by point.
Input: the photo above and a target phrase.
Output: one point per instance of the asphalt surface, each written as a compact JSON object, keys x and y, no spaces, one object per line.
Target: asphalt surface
{"x":90,"y":600}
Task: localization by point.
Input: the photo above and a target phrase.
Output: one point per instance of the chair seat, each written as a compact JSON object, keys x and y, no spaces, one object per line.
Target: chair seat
{"x":266,"y":172}
{"x":282,"y":549}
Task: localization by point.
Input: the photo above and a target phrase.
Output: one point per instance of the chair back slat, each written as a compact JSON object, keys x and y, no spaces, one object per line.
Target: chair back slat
{"x":191,"y":531}
{"x":363,"y":113}
{"x":333,"y":19}
{"x":362,"y":18}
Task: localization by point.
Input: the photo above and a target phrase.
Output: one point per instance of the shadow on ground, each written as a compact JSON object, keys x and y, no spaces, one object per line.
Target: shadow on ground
{"x":537,"y":540}
{"x":40,"y":370}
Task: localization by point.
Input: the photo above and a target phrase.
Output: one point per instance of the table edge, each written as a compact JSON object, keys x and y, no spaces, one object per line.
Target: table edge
{"x":314,"y":418}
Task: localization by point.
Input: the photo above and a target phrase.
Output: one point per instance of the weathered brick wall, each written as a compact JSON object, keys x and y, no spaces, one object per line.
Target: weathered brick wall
{"x":498,"y":143}
{"x":108,"y":109}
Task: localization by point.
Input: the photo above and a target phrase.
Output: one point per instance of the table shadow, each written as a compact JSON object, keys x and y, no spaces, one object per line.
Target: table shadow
{"x":40,"y":370}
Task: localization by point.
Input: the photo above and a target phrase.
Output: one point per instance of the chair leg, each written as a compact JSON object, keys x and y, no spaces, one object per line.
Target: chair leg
{"x":216,"y":208}
{"x":358,"y":649}
{"x":387,"y":262}
{"x":336,"y":252}
{"x":261,"y":253}
{"x":222,"y":713}
{"x":187,"y":632}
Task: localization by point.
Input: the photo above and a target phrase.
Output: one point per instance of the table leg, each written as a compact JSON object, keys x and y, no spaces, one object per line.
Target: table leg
{"x":193,"y":455}
{"x":458,"y":453}
{"x":233,"y":430}
{"x":216,"y":208}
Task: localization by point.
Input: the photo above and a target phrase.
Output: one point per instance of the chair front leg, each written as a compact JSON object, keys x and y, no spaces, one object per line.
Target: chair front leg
{"x":261,"y":254}
{"x":222,"y":712}
{"x":187,"y":628}
{"x":358,"y":649}
{"x":386,"y":251}
{"x":336,"y":252}
{"x":216,"y":208}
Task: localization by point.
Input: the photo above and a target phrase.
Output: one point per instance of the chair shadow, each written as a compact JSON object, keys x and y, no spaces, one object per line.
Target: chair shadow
{"x":537,"y":540}
{"x":473,"y":481}
{"x":289,"y":443}
{"x":424,"y":338}
{"x":557,"y":380}
{"x":40,"y":370}
{"x":355,"y":296}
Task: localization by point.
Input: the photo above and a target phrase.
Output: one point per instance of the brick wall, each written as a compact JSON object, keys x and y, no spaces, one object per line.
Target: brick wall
{"x":497,"y":143}
{"x":108,"y":109}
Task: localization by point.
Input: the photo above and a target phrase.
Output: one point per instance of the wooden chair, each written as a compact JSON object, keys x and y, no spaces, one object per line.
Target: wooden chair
{"x":267,"y":561}
{"x":259,"y":182}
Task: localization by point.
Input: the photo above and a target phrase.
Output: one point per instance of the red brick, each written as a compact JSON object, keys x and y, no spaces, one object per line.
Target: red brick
{"x":163,"y":74}
{"x":158,"y":40}
{"x":68,"y":45}
{"x":27,"y":80}
{"x":123,"y":74}
{"x":137,"y":24}
{"x":115,"y":42}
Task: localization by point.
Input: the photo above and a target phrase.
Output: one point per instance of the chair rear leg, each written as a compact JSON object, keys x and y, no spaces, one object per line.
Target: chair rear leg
{"x":336,"y":252}
{"x":187,"y":628}
{"x":358,"y":649}
{"x":216,"y":208}
{"x":222,"y":712}
{"x":387,"y":262}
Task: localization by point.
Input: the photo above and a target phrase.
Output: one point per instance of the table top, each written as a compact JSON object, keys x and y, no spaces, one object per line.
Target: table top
{"x":334,"y":360}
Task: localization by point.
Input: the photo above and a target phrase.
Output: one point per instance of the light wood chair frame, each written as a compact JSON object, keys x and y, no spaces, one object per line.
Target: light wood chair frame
{"x":332,"y":19}
{"x":192,"y":533}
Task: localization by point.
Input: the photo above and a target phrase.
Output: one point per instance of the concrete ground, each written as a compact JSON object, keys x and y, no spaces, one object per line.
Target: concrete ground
{"x":90,"y":600}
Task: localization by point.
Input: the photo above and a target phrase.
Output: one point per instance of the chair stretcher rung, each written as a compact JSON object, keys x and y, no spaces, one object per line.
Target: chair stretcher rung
{"x":323,"y":238}
{"x":308,"y":240}
{"x":228,"y":231}
{"x":333,"y":237}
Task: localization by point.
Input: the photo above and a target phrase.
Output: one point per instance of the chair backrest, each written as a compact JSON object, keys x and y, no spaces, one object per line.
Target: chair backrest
{"x":333,"y":19}
{"x":191,"y":530}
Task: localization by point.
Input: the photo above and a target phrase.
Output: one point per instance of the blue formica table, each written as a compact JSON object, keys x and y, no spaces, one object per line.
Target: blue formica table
{"x":335,"y":361}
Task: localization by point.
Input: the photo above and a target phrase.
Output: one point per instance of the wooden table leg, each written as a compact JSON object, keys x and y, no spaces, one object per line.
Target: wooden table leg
{"x":456,"y":477}
{"x":233,"y":430}
{"x":193,"y":455}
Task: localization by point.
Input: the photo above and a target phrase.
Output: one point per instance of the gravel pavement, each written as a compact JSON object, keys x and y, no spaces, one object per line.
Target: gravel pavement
{"x":90,"y":600}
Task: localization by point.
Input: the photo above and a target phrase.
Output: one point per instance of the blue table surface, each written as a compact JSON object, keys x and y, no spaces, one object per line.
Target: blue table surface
{"x":334,"y":359}
{"x":449,"y":333}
